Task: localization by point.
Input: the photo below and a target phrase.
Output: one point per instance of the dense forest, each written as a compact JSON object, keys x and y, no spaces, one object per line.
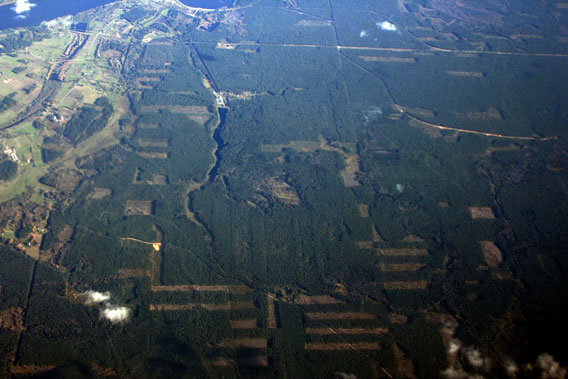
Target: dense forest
{"x":345,"y":211}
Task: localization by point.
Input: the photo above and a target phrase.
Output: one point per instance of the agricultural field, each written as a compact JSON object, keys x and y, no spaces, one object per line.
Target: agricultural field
{"x":286,"y":189}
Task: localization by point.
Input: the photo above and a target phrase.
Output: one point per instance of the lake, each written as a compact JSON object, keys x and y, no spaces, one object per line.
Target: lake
{"x":208,"y":4}
{"x":44,"y":10}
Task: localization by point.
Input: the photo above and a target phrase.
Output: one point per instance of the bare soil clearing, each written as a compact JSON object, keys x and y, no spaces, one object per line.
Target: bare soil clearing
{"x":203,"y":288}
{"x":370,"y":58}
{"x":153,"y":142}
{"x":138,"y":208}
{"x":152,"y":155}
{"x":209,"y":307}
{"x":260,"y":360}
{"x":12,"y":319}
{"x":467,"y":74}
{"x":410,"y":252}
{"x":249,"y":343}
{"x":99,"y":193}
{"x":244,"y":324}
{"x":492,"y":254}
{"x":364,"y":210}
{"x":483,"y":213}
{"x":340,"y":316}
{"x":418,"y":285}
{"x":332,"y":331}
{"x":343,"y":346}
{"x":400,"y":267}
{"x":311,"y":300}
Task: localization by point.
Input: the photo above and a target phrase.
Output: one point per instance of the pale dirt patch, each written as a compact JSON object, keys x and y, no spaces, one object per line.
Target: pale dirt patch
{"x":343,"y":346}
{"x":153,"y":142}
{"x":418,"y":285}
{"x":366,"y":245}
{"x":247,"y":343}
{"x":492,"y":254}
{"x":202,"y":288}
{"x":491,"y":114}
{"x":209,"y":307}
{"x":467,"y":74}
{"x":32,"y":250}
{"x":410,"y":252}
{"x":526,"y":36}
{"x":420,"y":112}
{"x":283,"y":191}
{"x":99,"y":193}
{"x":371,"y":58}
{"x":312,"y":300}
{"x":30,"y":369}
{"x":272,"y":321}
{"x":481,"y":213}
{"x":411,"y":238}
{"x":331,"y":331}
{"x":439,"y":318}
{"x":244,"y":324}
{"x":110,"y":54}
{"x":349,"y":173}
{"x":176,"y":108}
{"x":444,"y":204}
{"x":103,"y":371}
{"x":12,"y":319}
{"x":430,"y":130}
{"x":301,"y":146}
{"x":340,"y":316}
{"x":226,"y":45}
{"x":347,"y":150}
{"x":398,"y":319}
{"x":405,"y":367}
{"x":376,"y":235}
{"x":66,"y":233}
{"x":159,"y":180}
{"x":260,"y":360}
{"x":125,"y":273}
{"x":155,"y":71}
{"x":313,"y":23}
{"x":153,"y":155}
{"x":400,"y":267}
{"x":201,"y":119}
{"x":138,"y":208}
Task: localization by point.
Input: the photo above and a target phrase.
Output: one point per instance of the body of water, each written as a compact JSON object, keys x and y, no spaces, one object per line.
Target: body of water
{"x":34,"y":12}
{"x":208,"y":4}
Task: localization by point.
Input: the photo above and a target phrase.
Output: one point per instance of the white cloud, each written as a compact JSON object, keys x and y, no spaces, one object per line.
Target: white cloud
{"x":474,"y":357}
{"x":454,"y":347}
{"x":363,"y":33}
{"x":550,"y":368}
{"x":470,"y":363}
{"x":388,"y":26}
{"x":116,"y":314}
{"x":94,"y":297}
{"x":511,"y":368}
{"x":23,"y":6}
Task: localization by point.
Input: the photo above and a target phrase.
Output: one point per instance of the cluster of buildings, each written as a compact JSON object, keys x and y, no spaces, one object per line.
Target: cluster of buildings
{"x":12,"y":153}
